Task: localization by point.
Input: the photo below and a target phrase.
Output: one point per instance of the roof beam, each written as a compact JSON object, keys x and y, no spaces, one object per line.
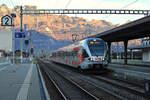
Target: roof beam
{"x":87,"y":11}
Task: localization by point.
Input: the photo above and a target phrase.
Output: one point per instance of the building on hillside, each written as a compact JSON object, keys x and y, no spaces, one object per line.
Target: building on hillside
{"x":146,"y":49}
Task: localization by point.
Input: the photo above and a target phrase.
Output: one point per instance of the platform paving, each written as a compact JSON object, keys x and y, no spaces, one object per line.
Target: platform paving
{"x":134,"y":62}
{"x":141,"y":68}
{"x":139,"y":72}
{"x":20,"y":82}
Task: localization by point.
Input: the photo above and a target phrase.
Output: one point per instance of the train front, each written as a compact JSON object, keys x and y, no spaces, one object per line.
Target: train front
{"x":97,"y":51}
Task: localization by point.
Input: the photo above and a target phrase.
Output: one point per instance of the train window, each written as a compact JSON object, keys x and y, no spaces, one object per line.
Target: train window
{"x":71,"y":53}
{"x":75,"y":53}
{"x":65,"y":53}
{"x":84,"y":53}
{"x":97,"y":48}
{"x":60,"y":54}
{"x":56,"y":54}
{"x":68,"y":54}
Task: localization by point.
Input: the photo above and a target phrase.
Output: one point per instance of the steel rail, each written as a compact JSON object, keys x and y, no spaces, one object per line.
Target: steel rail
{"x":76,"y":85}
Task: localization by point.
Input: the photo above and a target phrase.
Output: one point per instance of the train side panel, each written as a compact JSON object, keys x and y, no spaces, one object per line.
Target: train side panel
{"x":86,"y":54}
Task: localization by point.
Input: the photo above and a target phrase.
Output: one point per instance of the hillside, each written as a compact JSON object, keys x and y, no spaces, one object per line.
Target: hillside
{"x":41,"y":43}
{"x":60,"y":27}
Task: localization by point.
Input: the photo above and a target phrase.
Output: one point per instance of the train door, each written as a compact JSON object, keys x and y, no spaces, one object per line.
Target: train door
{"x":75,"y":58}
{"x":82,"y":55}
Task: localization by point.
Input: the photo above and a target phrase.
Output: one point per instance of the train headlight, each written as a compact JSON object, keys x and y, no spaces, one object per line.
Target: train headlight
{"x":92,"y":59}
{"x":103,"y":59}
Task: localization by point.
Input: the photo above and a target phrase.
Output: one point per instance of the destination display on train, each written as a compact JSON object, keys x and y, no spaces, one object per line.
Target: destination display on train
{"x":93,"y":42}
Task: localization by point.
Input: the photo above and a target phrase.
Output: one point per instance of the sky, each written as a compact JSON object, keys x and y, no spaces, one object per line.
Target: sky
{"x":88,"y":4}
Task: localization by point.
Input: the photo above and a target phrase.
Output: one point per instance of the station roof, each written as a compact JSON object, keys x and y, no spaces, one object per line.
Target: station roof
{"x":133,"y":30}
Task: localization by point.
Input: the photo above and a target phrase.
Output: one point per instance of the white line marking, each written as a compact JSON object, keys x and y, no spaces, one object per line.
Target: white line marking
{"x":4,"y":63}
{"x":43,"y":83}
{"x":22,"y":95}
{"x":3,"y":68}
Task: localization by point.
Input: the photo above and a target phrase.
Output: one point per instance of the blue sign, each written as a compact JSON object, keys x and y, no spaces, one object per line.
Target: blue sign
{"x":25,"y":27}
{"x":147,"y":87}
{"x":20,"y":35}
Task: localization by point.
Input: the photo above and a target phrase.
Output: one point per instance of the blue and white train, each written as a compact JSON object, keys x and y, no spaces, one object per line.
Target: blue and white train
{"x":90,"y":53}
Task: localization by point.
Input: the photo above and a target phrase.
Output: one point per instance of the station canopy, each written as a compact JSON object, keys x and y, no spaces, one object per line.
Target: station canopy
{"x":133,"y":30}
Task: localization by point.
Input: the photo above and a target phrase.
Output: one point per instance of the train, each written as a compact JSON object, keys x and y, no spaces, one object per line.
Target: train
{"x":89,"y":53}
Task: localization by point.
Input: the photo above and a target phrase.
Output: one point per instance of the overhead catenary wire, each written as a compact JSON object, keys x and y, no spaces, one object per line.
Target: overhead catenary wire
{"x":8,"y":2}
{"x":123,"y":8}
{"x":68,"y":3}
{"x":52,"y":25}
{"x":66,"y":6}
{"x":131,"y":3}
{"x":12,"y":3}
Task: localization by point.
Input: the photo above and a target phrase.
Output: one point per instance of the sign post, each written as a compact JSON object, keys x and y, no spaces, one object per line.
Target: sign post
{"x":8,"y":20}
{"x":13,"y":35}
{"x":21,"y":36}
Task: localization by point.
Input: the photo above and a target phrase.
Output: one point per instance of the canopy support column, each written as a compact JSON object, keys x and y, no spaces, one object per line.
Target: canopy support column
{"x":125,"y":51}
{"x":109,"y":52}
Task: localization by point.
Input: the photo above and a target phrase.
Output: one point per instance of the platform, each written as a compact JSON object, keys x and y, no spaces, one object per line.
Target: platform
{"x":21,"y":82}
{"x":4,"y":61}
{"x":134,"y":62}
{"x":130,"y":72}
{"x":140,"y":68}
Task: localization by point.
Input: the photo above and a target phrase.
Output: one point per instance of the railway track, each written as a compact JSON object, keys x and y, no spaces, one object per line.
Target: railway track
{"x":130,"y":90}
{"x":67,"y":88}
{"x":52,"y":88}
{"x":98,"y":91}
{"x":102,"y":87}
{"x":128,"y":76}
{"x":125,"y":80}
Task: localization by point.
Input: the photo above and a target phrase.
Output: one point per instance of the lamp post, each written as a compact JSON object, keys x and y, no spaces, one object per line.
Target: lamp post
{"x":13,"y":15}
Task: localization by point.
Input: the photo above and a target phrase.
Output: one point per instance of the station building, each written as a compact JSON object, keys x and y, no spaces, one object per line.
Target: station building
{"x":146,"y":49}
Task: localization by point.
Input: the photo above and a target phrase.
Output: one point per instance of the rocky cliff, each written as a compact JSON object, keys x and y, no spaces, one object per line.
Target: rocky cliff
{"x":60,"y":27}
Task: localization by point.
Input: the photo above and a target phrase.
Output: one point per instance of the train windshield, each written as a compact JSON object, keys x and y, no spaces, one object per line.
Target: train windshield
{"x":97,"y":47}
